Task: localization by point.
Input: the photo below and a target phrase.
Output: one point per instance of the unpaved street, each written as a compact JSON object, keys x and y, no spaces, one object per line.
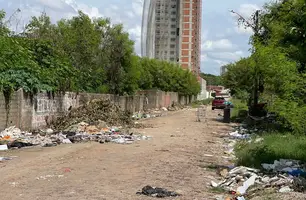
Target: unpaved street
{"x":173,"y":159}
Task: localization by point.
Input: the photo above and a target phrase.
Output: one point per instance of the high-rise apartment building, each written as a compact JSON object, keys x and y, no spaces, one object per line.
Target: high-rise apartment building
{"x":171,"y":30}
{"x":223,"y":69}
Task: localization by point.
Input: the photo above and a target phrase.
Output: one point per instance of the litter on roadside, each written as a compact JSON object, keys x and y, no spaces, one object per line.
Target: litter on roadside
{"x":81,"y":132}
{"x":283,"y":175}
{"x":157,"y":192}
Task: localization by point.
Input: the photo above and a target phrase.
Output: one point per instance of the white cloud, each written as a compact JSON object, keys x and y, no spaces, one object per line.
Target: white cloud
{"x":92,"y":12}
{"x":204,"y":57}
{"x":244,"y":30}
{"x":246,"y":10}
{"x":220,"y":62}
{"x":228,"y":56}
{"x":222,"y":44}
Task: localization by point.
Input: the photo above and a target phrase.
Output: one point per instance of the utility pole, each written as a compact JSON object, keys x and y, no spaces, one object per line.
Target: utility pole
{"x":254,"y":25}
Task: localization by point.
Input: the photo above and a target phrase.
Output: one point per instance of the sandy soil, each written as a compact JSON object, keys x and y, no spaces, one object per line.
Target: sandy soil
{"x":174,"y":159}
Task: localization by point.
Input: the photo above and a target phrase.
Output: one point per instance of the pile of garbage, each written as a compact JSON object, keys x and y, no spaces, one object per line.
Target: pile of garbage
{"x":82,"y":132}
{"x":240,"y":179}
{"x":282,"y":176}
{"x":94,"y":111}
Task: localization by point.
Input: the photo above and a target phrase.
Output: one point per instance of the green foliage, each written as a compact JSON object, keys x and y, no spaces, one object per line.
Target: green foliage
{"x":271,"y":148}
{"x":278,"y":62}
{"x":167,"y":76}
{"x":284,"y":23}
{"x":239,"y":75}
{"x":211,"y":79}
{"x":81,"y":54}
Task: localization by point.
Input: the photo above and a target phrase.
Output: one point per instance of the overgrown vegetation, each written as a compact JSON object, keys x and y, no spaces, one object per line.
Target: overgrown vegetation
{"x":277,"y":64}
{"x":276,"y":70}
{"x":274,"y":146}
{"x":82,"y":54}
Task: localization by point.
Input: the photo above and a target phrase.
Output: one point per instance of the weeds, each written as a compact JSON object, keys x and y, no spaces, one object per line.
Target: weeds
{"x":274,"y":146}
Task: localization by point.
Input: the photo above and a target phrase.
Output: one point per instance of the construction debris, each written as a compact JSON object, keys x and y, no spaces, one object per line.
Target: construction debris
{"x":93,"y":112}
{"x":81,"y":132}
{"x":283,"y":175}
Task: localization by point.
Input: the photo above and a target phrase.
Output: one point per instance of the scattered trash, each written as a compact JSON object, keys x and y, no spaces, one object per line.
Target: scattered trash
{"x":285,"y":189}
{"x":284,"y":175}
{"x":292,"y":167}
{"x":157,"y":192}
{"x":3,"y":147}
{"x":251,"y":181}
{"x":13,"y":184}
{"x":5,"y":158}
{"x":49,"y":176}
{"x":82,"y":132}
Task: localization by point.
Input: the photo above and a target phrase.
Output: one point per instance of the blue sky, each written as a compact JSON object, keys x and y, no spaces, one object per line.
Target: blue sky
{"x":222,"y":40}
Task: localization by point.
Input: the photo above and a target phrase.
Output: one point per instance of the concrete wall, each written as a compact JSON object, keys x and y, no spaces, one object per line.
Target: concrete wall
{"x":11,"y":116}
{"x":28,"y":112}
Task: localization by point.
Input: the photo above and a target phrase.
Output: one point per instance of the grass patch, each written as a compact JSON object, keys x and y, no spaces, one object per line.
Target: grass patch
{"x":240,"y":110}
{"x":196,"y":104}
{"x":274,"y":146}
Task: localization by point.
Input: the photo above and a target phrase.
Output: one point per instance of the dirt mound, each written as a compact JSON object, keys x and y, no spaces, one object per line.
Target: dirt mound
{"x":93,"y":112}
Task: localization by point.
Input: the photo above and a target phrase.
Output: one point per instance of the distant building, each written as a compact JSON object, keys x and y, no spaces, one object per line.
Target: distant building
{"x":171,"y":30}
{"x":223,"y":69}
{"x":217,"y":89}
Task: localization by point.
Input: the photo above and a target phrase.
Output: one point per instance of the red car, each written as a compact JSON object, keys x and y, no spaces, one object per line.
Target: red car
{"x":218,"y":103}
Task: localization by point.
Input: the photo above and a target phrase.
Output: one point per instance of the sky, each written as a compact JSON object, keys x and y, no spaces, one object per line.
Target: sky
{"x":223,"y":41}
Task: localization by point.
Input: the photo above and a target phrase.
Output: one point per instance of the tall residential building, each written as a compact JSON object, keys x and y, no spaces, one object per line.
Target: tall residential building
{"x":223,"y":69}
{"x":171,"y":30}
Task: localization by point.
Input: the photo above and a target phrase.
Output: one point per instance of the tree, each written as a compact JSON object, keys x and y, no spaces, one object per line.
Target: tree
{"x":284,"y":23}
{"x":211,"y":79}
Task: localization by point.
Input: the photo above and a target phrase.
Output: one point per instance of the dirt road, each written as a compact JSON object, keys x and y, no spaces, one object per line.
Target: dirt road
{"x":173,"y":159}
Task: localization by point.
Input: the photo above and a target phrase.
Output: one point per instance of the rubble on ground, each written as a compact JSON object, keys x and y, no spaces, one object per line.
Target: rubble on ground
{"x":81,"y":132}
{"x":283,"y":175}
{"x":93,"y":112}
{"x":98,"y":120}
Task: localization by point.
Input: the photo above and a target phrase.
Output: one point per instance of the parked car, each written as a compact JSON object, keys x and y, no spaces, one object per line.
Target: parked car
{"x":218,"y":103}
